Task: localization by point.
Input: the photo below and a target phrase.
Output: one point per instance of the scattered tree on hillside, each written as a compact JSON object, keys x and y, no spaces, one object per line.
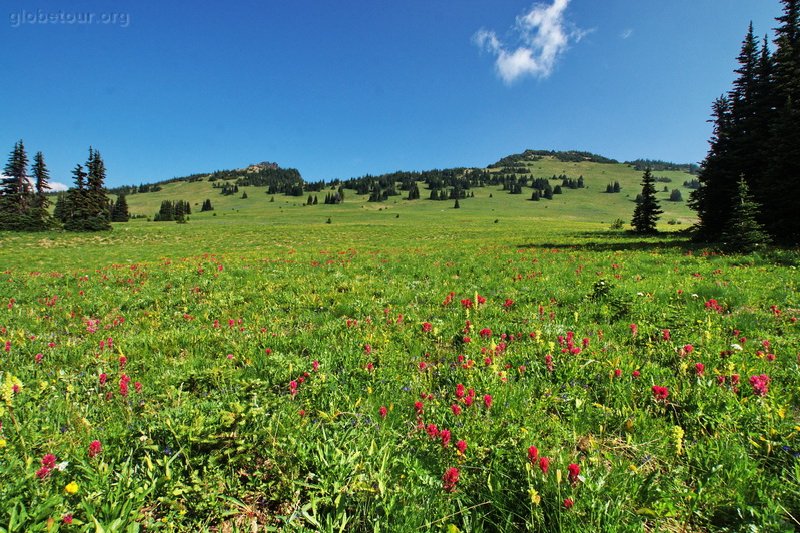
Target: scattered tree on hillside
{"x":206,"y":206}
{"x":647,"y":210}
{"x":675,"y":196}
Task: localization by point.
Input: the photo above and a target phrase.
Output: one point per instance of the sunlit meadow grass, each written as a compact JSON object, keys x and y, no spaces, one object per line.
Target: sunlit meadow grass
{"x":269,"y":369}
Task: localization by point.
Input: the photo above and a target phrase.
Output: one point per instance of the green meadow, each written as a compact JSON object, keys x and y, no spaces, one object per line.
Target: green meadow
{"x":400,"y":366}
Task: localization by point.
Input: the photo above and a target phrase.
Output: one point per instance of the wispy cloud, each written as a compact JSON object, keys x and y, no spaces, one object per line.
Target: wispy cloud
{"x":543,"y":35}
{"x":55,"y":186}
{"x":627,"y":32}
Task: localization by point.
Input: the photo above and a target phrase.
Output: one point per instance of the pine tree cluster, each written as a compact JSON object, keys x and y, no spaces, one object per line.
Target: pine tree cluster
{"x":23,"y":200}
{"x":85,"y":207}
{"x":176,"y":211}
{"x":756,"y":140}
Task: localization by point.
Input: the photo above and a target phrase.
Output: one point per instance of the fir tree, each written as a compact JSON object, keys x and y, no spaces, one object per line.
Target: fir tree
{"x":180,"y":212}
{"x":16,"y":196}
{"x":89,"y":208}
{"x":647,"y":211}
{"x":744,"y":233}
{"x":119,"y":213}
{"x":456,"y":206}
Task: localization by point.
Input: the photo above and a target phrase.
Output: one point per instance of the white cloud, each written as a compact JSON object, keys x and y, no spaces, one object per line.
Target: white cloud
{"x":543,"y":36}
{"x":55,"y":186}
{"x":626,"y":33}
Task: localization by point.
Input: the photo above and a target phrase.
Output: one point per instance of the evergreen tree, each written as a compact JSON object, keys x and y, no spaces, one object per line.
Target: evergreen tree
{"x":675,"y":196}
{"x":60,"y":210}
{"x":119,"y":213}
{"x":647,"y":211}
{"x":16,"y":195}
{"x":744,"y":233}
{"x":76,"y":201}
{"x":456,"y":206}
{"x":89,"y":208}
{"x":41,"y":178}
{"x":714,"y":198}
{"x":180,"y":212}
{"x":166,"y":212}
{"x":783,"y":169}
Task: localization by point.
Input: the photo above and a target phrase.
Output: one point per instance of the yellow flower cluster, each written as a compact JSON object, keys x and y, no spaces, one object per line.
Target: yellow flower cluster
{"x":677,"y":434}
{"x":7,"y":390}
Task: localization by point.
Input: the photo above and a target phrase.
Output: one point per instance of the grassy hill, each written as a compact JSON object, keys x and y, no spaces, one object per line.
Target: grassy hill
{"x":591,"y":204}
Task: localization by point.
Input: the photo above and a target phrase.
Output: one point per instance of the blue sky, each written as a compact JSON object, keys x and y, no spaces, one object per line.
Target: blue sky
{"x":340,"y":89}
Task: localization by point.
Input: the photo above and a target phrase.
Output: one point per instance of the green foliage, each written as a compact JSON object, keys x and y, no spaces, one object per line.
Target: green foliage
{"x":23,"y":207}
{"x":756,"y":136}
{"x":216,"y":332}
{"x":744,"y":233}
{"x":648,"y":210}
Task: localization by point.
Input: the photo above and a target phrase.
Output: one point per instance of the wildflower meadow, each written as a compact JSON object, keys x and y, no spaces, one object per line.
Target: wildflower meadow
{"x":500,"y":382}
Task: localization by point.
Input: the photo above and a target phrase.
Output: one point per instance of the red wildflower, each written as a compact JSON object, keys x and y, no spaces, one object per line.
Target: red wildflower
{"x":568,"y":503}
{"x":760,"y":384}
{"x":66,"y":519}
{"x":699,"y":368}
{"x":544,"y":464}
{"x":660,"y":393}
{"x":456,"y":409}
{"x":39,"y":357}
{"x":508,"y":303}
{"x":636,"y":374}
{"x":459,"y":391}
{"x":533,"y":454}
{"x":487,"y":400}
{"x":43,"y":472}
{"x":432,"y":430}
{"x":445,"y":436}
{"x":427,"y":327}
{"x":95,"y":448}
{"x":367,"y":349}
{"x":574,"y":472}
{"x":634,"y":329}
{"x":449,"y":479}
{"x":461,"y":446}
{"x":418,"y":407}
{"x":49,"y":460}
{"x":122,"y":361}
{"x":665,"y":335}
{"x":617,"y":372}
{"x":485,"y":333}
{"x":138,"y":387}
{"x":103,"y":378}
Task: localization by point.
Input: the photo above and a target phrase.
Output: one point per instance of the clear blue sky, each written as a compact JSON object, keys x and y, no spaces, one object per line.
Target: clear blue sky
{"x":343,"y":88}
